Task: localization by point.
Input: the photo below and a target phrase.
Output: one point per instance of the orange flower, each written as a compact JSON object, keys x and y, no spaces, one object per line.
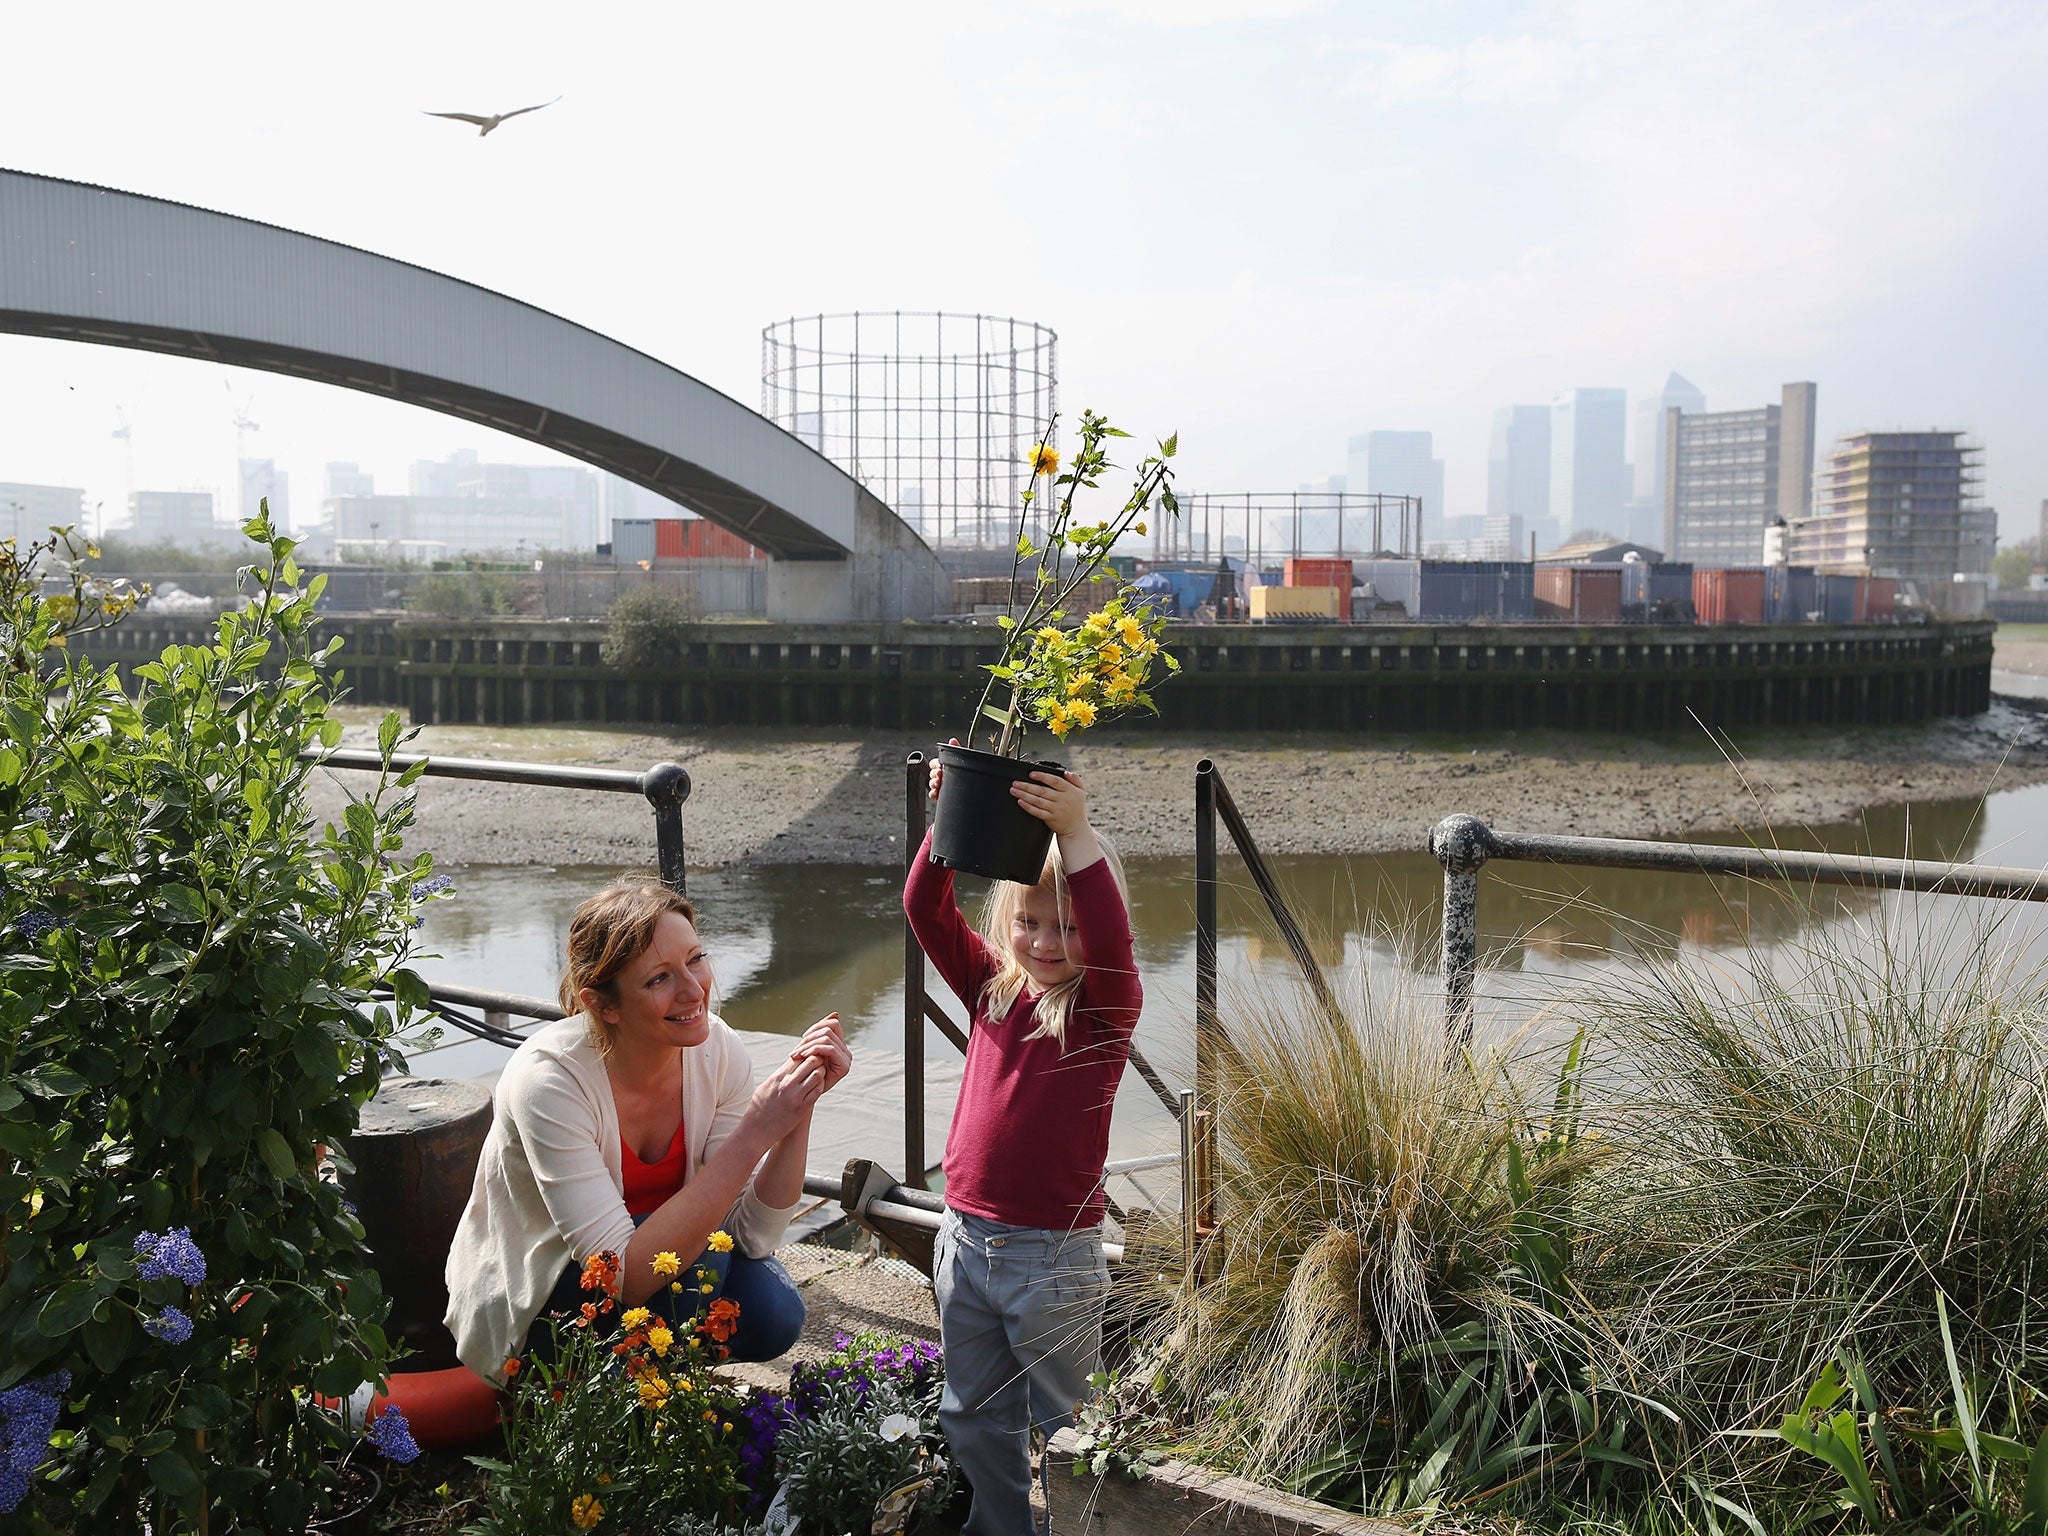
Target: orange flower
{"x":589,"y":1310}
{"x":511,"y":1367}
{"x":721,"y":1320}
{"x":601,"y":1272}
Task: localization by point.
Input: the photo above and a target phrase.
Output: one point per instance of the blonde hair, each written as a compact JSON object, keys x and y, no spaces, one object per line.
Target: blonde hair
{"x":999,"y":911}
{"x":608,"y":933}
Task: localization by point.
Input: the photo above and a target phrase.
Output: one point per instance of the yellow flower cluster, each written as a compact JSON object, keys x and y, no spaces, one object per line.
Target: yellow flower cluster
{"x":1068,"y":679}
{"x":720,"y":1242}
{"x":586,"y":1511}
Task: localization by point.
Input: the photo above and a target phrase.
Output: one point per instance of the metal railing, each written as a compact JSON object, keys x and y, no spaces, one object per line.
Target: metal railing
{"x":1463,"y":845}
{"x":665,"y":785}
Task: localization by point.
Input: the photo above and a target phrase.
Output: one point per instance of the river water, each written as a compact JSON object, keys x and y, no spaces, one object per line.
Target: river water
{"x":790,"y":943}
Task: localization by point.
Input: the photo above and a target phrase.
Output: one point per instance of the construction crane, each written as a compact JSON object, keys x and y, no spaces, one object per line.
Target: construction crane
{"x":238,"y":410}
{"x":127,"y":441}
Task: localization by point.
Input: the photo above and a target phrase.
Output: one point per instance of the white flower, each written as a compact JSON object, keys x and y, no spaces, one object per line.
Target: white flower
{"x":897,"y":1425}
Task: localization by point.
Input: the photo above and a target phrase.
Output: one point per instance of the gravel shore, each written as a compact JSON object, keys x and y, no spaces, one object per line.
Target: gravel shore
{"x":794,"y":796}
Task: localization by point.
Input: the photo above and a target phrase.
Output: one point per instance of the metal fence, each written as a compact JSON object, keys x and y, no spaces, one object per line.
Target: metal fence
{"x":1464,"y":845}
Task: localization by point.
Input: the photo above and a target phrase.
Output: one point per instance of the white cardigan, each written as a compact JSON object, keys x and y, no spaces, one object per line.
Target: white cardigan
{"x":550,"y":1184}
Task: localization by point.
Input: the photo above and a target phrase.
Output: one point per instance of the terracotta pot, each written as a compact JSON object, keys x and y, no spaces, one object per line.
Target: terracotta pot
{"x":980,"y":828}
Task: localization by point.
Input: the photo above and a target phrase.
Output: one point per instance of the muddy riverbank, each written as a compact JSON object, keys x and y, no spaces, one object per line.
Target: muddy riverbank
{"x":797,"y":796}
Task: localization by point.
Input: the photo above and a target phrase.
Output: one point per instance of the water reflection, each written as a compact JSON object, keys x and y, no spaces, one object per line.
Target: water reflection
{"x":791,"y":943}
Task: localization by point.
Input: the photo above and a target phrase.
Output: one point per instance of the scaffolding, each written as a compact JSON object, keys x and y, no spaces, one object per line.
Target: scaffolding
{"x":1259,"y":526}
{"x":934,"y":413}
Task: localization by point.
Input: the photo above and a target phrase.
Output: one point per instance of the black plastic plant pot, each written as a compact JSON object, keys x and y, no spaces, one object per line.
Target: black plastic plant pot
{"x":980,"y":829}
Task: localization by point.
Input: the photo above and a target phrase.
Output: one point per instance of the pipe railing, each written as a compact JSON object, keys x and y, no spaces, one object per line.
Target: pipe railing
{"x":665,"y":786}
{"x":1463,"y":845}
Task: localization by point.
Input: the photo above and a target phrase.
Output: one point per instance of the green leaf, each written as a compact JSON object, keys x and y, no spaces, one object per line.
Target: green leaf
{"x":67,"y":1308}
{"x":170,"y":1471}
{"x":183,"y":900}
{"x":107,"y":1338}
{"x":1170,"y":447}
{"x":276,"y":1153}
{"x":2034,"y":1499}
{"x":10,"y":765}
{"x":387,"y":734}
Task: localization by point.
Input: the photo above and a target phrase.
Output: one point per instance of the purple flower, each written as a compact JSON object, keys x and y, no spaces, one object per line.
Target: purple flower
{"x":28,"y":1413}
{"x":173,"y":1254}
{"x":424,"y":888}
{"x":393,"y":1436}
{"x":33,"y":925}
{"x":170,"y":1325}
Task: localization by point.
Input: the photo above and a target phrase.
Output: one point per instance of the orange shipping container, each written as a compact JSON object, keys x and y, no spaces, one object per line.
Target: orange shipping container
{"x":1303,"y":572}
{"x":697,"y":538}
{"x":1580,"y":594}
{"x":1878,"y":598}
{"x":1728,"y":597}
{"x":668,"y":538}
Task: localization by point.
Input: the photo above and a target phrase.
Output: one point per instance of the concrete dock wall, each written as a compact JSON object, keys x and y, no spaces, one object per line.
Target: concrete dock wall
{"x":1365,"y":678}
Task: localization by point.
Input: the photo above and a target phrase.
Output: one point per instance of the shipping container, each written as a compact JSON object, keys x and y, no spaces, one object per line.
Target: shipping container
{"x":633,"y":540}
{"x":1451,"y":591}
{"x":1671,"y":591}
{"x":1841,"y":599}
{"x":1729,"y":597}
{"x":1297,"y":603}
{"x":1791,"y":593}
{"x":668,"y":538}
{"x":1304,"y":572}
{"x":1581,"y":594}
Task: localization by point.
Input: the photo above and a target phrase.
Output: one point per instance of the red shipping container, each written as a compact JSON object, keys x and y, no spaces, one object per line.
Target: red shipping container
{"x":1582,"y":594}
{"x":1303,"y":572}
{"x":698,"y":538}
{"x":1876,"y":599}
{"x":1728,"y":597}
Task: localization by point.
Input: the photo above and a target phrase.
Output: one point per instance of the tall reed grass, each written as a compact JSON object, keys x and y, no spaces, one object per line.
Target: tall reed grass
{"x":1533,"y":1277}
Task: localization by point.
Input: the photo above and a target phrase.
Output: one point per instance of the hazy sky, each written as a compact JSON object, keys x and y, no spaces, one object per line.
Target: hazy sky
{"x":1268,"y":225}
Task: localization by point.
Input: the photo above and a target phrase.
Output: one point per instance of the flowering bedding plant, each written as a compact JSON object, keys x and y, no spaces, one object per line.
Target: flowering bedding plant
{"x":622,"y":1425}
{"x":854,"y":1445}
{"x":1067,"y":678}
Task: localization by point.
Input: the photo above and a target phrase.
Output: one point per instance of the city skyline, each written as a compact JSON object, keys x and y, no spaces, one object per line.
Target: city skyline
{"x":1408,"y":217}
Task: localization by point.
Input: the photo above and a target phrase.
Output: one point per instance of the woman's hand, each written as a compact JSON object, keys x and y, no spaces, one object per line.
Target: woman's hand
{"x":1058,"y":800}
{"x":825,"y":1042}
{"x":784,"y":1099}
{"x":938,"y":769}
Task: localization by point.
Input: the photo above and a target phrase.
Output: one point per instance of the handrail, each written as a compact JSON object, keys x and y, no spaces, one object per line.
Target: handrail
{"x":1464,"y":844}
{"x":665,"y":785}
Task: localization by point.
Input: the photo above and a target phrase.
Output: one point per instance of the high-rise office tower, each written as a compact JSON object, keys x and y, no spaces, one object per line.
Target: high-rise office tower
{"x":1728,"y":475}
{"x":263,"y":481}
{"x":1518,"y":474}
{"x":1400,"y":464}
{"x":1588,"y":485}
{"x":28,"y":512}
{"x":1646,"y":505}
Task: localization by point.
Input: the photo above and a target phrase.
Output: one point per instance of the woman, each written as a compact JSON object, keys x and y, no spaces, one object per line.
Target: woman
{"x":633,"y":1127}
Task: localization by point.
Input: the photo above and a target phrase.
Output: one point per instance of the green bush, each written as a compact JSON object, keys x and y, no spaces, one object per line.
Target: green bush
{"x":182,"y":1030}
{"x":646,"y":629}
{"x":467,"y":594}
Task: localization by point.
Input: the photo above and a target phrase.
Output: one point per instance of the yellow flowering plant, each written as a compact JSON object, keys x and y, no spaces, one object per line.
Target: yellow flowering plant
{"x":1068,"y":676}
{"x":619,"y":1427}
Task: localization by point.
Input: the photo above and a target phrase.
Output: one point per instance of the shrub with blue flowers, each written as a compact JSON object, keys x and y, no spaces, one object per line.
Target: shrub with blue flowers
{"x":182,"y":1031}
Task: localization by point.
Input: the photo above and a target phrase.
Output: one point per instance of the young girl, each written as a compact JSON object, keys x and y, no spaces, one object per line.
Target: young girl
{"x":1018,"y":1267}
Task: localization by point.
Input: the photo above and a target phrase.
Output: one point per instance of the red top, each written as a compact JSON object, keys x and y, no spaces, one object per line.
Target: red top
{"x":649,"y":1184}
{"x":1031,"y":1131}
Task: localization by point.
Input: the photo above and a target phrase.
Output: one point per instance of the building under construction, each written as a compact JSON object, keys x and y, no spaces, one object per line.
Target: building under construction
{"x":1899,"y":504}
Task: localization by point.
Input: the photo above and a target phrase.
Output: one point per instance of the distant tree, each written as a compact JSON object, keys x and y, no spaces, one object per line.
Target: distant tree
{"x":2013,"y":566}
{"x":1594,"y":536}
{"x":646,"y":628}
{"x":130,"y":556}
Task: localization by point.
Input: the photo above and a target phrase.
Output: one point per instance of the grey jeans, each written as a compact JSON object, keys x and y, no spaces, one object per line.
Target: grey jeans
{"x":1020,"y":1315}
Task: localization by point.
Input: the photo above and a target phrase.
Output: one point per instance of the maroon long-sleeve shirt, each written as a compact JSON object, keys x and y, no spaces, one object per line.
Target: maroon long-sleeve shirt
{"x":1031,"y":1131}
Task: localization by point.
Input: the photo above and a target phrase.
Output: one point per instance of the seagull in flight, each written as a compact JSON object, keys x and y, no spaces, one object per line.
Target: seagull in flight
{"x":485,"y":124}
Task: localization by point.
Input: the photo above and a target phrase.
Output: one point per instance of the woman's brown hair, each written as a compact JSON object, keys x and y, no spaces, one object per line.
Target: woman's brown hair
{"x":610,"y":931}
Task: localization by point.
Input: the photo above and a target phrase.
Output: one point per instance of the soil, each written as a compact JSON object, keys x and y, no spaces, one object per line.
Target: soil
{"x":794,"y":796}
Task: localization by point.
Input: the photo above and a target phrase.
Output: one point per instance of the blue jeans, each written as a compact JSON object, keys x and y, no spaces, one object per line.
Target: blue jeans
{"x":1020,"y":1315}
{"x":771,"y":1307}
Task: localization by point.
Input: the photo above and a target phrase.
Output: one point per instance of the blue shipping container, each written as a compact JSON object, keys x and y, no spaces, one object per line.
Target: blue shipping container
{"x":1838,"y":599}
{"x":1791,"y":592}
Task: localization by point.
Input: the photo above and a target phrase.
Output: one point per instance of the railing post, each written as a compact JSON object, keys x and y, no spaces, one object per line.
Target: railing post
{"x":1205,"y":932}
{"x":1461,"y":844}
{"x":916,"y":801}
{"x":667,"y":786}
